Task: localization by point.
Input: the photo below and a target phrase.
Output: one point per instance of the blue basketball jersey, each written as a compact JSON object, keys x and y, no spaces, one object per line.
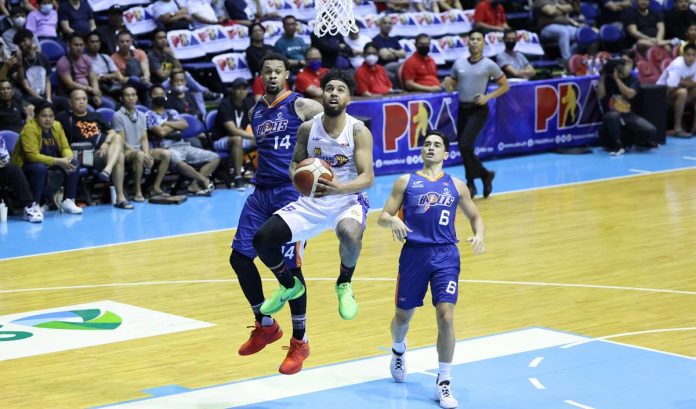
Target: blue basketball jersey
{"x":275,"y":128}
{"x":429,"y":208}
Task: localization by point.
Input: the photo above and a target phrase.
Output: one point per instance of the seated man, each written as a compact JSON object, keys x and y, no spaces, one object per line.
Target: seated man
{"x":75,"y":71}
{"x":34,"y":71}
{"x":490,"y":16}
{"x":131,"y":124}
{"x":12,"y":114}
{"x":84,"y":127}
{"x":291,"y":45}
{"x":179,"y":98}
{"x":165,"y":125}
{"x":43,"y":22}
{"x":680,"y":79}
{"x":645,"y":28}
{"x":132,"y":62}
{"x":42,"y":145}
{"x":171,"y":16}
{"x":76,"y":16}
{"x":371,"y":78}
{"x":109,"y":31}
{"x":554,"y":22}
{"x":231,"y":127}
{"x":307,"y":81}
{"x":419,"y":70}
{"x":616,"y":88}
{"x":12,"y":176}
{"x":678,"y":20}
{"x":110,"y":78}
{"x":513,"y":63}
{"x":390,"y":50}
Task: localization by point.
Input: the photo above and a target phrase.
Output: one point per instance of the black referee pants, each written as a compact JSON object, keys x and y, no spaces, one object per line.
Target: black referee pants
{"x":471,"y":119}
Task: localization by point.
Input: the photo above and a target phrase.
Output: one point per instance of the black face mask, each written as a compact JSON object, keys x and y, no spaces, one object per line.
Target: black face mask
{"x":158,"y":101}
{"x":423,"y":50}
{"x":510,"y":45}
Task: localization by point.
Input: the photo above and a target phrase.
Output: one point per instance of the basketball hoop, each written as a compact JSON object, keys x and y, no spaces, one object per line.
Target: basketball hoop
{"x":333,"y":17}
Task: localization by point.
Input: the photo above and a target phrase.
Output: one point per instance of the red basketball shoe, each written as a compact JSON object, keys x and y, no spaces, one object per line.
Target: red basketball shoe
{"x":260,"y":337}
{"x":298,"y":351}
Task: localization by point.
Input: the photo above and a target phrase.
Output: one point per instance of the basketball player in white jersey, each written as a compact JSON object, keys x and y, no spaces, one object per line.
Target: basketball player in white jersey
{"x":341,"y":204}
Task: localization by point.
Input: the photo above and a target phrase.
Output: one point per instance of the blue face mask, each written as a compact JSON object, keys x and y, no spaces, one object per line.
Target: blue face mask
{"x":46,"y":8}
{"x":314,"y":65}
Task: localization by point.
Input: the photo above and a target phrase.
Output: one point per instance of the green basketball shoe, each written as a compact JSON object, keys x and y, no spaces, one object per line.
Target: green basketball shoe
{"x":276,"y":301}
{"x":347,"y":306}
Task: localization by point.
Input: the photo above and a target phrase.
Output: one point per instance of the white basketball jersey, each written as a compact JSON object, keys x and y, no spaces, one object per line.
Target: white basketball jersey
{"x":338,"y":152}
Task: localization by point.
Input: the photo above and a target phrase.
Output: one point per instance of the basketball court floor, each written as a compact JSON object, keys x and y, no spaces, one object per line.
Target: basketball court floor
{"x":584,"y":299}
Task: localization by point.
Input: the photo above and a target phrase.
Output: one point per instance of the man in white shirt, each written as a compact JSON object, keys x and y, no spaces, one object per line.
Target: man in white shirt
{"x":680,"y":79}
{"x":202,"y":12}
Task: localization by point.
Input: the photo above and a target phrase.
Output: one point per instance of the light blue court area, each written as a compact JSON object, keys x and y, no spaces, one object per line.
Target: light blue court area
{"x":533,"y":368}
{"x":105,"y":225}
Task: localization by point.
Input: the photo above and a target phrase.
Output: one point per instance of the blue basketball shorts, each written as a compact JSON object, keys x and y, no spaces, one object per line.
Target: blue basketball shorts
{"x":258,"y":208}
{"x":423,"y":264}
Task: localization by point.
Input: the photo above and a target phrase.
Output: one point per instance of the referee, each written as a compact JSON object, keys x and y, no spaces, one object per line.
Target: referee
{"x":470,"y":76}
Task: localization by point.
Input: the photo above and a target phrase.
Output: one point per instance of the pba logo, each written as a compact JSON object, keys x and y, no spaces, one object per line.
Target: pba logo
{"x":413,"y":119}
{"x":237,"y":32}
{"x":566,"y":103}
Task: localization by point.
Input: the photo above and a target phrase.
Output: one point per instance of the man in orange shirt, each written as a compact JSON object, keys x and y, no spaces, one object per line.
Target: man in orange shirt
{"x":490,"y":16}
{"x":308,"y":79}
{"x":419,"y":71}
{"x":132,"y":62}
{"x":371,"y":78}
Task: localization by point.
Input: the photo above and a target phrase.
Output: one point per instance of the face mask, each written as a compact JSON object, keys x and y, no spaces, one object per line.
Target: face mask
{"x":510,"y":45}
{"x":371,"y":59}
{"x":314,"y":65}
{"x":423,"y":50}
{"x":158,"y":101}
{"x":180,"y":88}
{"x":46,"y":8}
{"x":19,"y":21}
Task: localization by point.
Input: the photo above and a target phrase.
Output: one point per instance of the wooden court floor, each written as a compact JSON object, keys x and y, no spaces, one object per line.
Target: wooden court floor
{"x":638,"y":233}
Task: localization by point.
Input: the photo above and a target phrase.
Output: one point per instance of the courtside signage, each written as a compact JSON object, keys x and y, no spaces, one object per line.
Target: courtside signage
{"x":84,"y":325}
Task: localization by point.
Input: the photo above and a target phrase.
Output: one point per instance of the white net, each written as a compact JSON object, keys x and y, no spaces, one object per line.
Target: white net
{"x":333,"y":17}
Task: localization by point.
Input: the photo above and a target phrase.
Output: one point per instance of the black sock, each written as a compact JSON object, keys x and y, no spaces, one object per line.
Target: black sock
{"x":257,"y":313}
{"x":298,"y":326}
{"x":346,"y":274}
{"x":284,"y":276}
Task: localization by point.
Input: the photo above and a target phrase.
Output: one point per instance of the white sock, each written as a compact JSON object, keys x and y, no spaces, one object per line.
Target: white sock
{"x":305,"y":339}
{"x":445,"y":372}
{"x":266,"y":321}
{"x":399,"y":347}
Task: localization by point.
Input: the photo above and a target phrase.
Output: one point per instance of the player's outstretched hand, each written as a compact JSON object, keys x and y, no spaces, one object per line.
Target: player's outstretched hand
{"x":328,"y":187}
{"x":399,"y":229}
{"x":476,"y":244}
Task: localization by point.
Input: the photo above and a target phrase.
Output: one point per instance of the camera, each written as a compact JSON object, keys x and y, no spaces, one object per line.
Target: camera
{"x":611,"y":65}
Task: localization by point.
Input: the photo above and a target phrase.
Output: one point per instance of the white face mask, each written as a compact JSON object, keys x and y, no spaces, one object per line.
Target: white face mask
{"x":371,"y":59}
{"x":19,"y":21}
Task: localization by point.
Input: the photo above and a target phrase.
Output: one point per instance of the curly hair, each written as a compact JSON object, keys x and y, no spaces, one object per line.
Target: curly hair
{"x":338,"y":75}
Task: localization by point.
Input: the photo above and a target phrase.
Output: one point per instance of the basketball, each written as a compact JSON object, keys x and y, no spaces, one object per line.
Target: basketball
{"x":307,"y":174}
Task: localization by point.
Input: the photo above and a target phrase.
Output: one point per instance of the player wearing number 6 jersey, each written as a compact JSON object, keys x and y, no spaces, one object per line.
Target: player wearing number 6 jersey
{"x":429,"y":200}
{"x":275,"y":119}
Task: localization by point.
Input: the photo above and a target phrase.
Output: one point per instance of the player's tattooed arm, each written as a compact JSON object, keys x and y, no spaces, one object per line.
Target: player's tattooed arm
{"x":300,"y":152}
{"x":306,"y":108}
{"x":471,"y":212}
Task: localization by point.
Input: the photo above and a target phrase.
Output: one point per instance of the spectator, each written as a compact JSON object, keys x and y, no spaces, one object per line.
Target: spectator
{"x":4,"y":52}
{"x":42,"y":146}
{"x":610,"y":11}
{"x":371,"y":78}
{"x":110,"y":78}
{"x":678,"y":20}
{"x":165,"y":125}
{"x":131,"y":124}
{"x":289,"y":45}
{"x":34,"y":71}
{"x":419,"y":70}
{"x":108,"y":32}
{"x":8,"y":65}
{"x":680,"y":79}
{"x":446,"y":5}
{"x":237,"y":11}
{"x":179,"y":98}
{"x":84,"y":127}
{"x":12,"y":176}
{"x":554,"y":23}
{"x":18,"y":18}
{"x":76,"y":17}
{"x":162,"y":62}
{"x":232,"y":127}
{"x":490,"y":16}
{"x":616,"y":88}
{"x":202,"y":13}
{"x":308,"y":79}
{"x":131,"y":61}
{"x":257,"y":48}
{"x":645,"y":28}
{"x":333,"y":50}
{"x":390,"y":50}
{"x":43,"y":22}
{"x":513,"y":63}
{"x":690,"y":38}
{"x":356,"y":43}
{"x":12,"y":114}
{"x":171,"y":16}
{"x":75,"y":70}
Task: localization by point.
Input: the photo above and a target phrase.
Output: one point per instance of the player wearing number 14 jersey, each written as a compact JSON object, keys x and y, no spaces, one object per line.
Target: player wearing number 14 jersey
{"x":275,"y":119}
{"x":429,"y":200}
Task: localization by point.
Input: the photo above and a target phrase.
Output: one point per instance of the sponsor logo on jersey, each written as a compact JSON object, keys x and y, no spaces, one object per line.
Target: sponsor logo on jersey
{"x":336,"y":161}
{"x":317,"y":151}
{"x":432,"y":199}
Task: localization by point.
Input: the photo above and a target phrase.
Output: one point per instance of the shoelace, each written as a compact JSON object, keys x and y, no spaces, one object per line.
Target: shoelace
{"x":399,"y":363}
{"x":444,"y":390}
{"x":293,"y":349}
{"x":254,"y":330}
